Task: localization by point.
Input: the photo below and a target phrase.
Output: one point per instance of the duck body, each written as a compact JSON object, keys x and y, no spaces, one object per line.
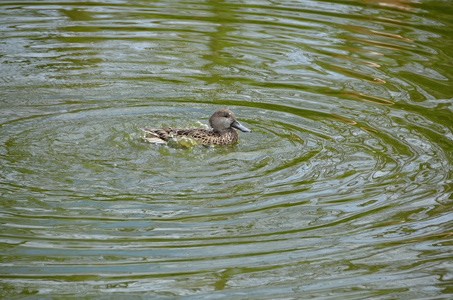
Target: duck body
{"x":223,"y":132}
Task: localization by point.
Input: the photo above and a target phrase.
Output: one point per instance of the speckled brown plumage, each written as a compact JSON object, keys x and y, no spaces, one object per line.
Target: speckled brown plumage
{"x":222,"y":121}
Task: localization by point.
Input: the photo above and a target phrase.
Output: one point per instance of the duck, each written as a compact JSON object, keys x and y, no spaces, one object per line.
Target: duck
{"x":223,"y":132}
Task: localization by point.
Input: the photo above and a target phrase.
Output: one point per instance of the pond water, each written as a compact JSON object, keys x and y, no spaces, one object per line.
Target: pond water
{"x":342,"y":191}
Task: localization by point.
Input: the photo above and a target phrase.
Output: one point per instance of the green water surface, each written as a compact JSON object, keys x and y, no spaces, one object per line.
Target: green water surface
{"x":343,"y":190}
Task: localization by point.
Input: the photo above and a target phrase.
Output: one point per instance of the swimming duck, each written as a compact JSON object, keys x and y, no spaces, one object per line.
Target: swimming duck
{"x":222,"y":122}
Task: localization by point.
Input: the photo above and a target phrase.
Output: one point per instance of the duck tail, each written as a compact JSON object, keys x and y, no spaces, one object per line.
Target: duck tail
{"x":154,"y":138}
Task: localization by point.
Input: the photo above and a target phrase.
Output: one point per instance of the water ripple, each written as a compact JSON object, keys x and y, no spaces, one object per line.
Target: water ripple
{"x":343,"y":185}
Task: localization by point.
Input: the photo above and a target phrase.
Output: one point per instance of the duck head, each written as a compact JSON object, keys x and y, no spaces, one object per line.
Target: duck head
{"x":224,"y":119}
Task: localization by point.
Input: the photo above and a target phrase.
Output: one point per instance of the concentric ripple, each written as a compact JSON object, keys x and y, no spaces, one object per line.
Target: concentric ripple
{"x":342,"y":190}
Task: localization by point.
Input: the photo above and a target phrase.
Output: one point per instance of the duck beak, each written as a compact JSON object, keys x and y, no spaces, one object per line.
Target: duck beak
{"x":239,"y":126}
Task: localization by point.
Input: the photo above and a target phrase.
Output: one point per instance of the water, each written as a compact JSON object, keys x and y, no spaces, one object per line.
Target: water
{"x":342,"y":191}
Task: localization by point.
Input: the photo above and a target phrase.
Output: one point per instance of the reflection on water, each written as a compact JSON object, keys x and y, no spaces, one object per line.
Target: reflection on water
{"x":343,"y":188}
{"x":408,"y":5}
